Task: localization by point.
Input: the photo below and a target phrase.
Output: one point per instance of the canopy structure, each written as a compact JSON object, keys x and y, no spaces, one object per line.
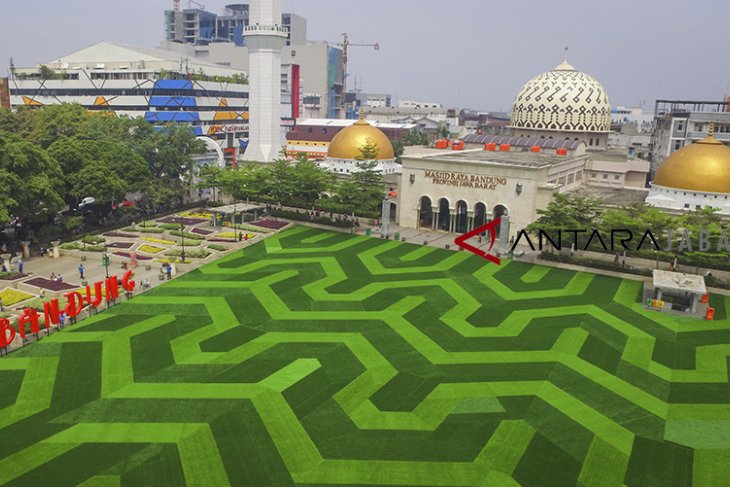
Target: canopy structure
{"x":681,"y":291}
{"x":237,"y":212}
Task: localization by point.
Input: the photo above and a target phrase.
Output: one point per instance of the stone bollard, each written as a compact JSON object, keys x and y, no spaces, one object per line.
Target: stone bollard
{"x":56,"y":250}
{"x":26,"y":249}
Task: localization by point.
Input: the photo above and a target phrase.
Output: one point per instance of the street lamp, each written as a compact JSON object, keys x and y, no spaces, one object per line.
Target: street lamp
{"x":182,"y":235}
{"x":105,"y":260}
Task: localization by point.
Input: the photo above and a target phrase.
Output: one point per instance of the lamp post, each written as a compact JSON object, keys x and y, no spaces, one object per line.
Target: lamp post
{"x":105,"y":260}
{"x":182,"y":236}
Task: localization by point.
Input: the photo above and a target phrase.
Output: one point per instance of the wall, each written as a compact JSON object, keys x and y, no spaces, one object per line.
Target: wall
{"x":523,"y":207}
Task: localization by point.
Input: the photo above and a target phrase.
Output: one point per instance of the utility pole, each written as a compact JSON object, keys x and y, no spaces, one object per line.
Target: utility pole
{"x":345,"y":45}
{"x":182,"y":235}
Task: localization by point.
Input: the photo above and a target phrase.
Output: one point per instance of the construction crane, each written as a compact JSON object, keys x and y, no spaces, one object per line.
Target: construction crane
{"x":345,"y":45}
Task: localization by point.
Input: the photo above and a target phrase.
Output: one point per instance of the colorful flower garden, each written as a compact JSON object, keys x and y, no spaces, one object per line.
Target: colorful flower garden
{"x":320,"y":358}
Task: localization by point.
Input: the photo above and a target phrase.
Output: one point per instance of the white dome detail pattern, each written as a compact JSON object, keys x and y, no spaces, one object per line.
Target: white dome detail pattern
{"x":564,"y":100}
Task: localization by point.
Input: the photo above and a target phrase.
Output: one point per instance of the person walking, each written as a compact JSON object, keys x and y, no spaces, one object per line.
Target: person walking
{"x":20,"y":265}
{"x":62,"y":320}
{"x":168,"y":270}
{"x":81,"y":272}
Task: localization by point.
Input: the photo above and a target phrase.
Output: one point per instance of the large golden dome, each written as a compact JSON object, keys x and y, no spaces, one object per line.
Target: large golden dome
{"x":703,"y":166}
{"x":348,"y":142}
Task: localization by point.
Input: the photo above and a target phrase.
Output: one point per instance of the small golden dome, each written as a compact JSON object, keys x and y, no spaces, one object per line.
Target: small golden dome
{"x":703,"y":166}
{"x":348,"y":142}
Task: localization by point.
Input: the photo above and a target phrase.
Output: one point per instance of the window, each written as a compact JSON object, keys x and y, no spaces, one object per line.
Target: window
{"x":686,"y":206}
{"x":571,"y":178}
{"x":617,"y":177}
{"x":605,"y":176}
{"x":677,"y":144}
{"x":594,"y":175}
{"x":698,"y":207}
{"x":680,"y":126}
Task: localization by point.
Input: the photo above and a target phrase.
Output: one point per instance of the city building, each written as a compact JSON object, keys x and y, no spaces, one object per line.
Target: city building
{"x":357,"y":100}
{"x":563,"y":103}
{"x":460,"y":190}
{"x":199,"y":27}
{"x":155,"y":84}
{"x":320,"y":65}
{"x":313,"y":136}
{"x":419,"y":104}
{"x":346,"y":149}
{"x":265,"y":38}
{"x":680,"y":123}
{"x":694,"y":177}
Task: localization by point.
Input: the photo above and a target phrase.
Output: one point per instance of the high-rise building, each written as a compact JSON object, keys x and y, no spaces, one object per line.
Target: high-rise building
{"x":680,"y":123}
{"x":160,"y":86}
{"x":265,"y":38}
{"x":199,"y":27}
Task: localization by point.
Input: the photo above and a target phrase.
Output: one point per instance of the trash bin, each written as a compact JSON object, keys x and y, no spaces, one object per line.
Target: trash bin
{"x":368,"y":231}
{"x":510,"y":255}
{"x":397,"y":236}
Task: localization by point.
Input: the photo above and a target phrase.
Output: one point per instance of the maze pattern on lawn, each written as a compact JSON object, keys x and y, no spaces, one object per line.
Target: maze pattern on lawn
{"x":318,"y":358}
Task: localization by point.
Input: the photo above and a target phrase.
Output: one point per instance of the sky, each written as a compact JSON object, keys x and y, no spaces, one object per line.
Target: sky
{"x":461,"y":53}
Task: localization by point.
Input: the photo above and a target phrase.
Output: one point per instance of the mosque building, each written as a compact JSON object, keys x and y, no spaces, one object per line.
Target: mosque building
{"x":695,"y":177}
{"x":563,"y":104}
{"x":346,"y":149}
{"x":557,"y":143}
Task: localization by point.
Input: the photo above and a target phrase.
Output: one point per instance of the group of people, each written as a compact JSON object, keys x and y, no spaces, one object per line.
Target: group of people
{"x":56,"y":278}
{"x":19,"y":263}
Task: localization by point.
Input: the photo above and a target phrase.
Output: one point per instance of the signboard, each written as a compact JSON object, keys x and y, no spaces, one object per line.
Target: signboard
{"x":75,"y":304}
{"x":465,"y":180}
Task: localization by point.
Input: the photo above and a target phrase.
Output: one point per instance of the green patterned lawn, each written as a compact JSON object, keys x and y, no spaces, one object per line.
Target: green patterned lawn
{"x":319,"y":358}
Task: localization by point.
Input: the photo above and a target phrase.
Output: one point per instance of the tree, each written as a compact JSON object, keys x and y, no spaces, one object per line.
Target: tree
{"x":7,"y":203}
{"x":99,"y":181}
{"x":210,"y":177}
{"x":56,"y":121}
{"x":310,"y":181}
{"x":281,"y":182}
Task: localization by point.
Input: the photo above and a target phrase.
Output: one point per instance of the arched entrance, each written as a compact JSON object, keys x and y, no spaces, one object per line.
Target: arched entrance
{"x":480,"y":215}
{"x":462,"y":217}
{"x":425,"y":212}
{"x":393,"y":212}
{"x":444,"y":222}
{"x":499,"y":212}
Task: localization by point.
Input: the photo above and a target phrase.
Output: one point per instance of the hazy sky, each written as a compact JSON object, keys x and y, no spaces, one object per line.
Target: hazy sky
{"x":474,"y":53}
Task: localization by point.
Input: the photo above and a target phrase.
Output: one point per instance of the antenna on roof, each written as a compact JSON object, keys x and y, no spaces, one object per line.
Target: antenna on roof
{"x":565,"y":57}
{"x":11,"y":67}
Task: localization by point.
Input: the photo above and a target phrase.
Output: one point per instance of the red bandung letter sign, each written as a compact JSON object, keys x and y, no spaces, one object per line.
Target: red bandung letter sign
{"x":51,"y":313}
{"x":112,"y":288}
{"x":74,"y":304}
{"x":94,"y":299}
{"x":7,"y":333}
{"x":29,"y":316}
{"x":127,"y":283}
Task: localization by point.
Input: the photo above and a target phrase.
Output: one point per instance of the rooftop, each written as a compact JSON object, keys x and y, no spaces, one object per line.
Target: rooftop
{"x":677,"y":281}
{"x":524,"y":159}
{"x":614,"y":196}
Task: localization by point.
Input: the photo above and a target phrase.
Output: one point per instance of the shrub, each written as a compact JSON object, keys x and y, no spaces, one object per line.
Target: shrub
{"x":170,"y":226}
{"x":83,"y":248}
{"x":188,"y":235}
{"x":94,"y":239}
{"x":219,"y":248}
{"x":193,"y":254}
{"x":594,"y":263}
{"x":159,"y":241}
{"x":11,"y":276}
{"x":151,"y":249}
{"x":11,"y":297}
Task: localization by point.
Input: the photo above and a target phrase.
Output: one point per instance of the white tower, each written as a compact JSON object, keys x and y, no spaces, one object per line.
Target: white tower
{"x":265,"y":39}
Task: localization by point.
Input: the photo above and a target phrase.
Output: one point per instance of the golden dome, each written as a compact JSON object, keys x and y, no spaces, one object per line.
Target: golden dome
{"x":703,"y":166}
{"x":348,"y":142}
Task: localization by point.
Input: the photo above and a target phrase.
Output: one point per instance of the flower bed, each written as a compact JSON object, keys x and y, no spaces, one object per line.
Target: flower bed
{"x":11,"y":297}
{"x":159,"y":241}
{"x":221,"y":240}
{"x":143,"y":230}
{"x":185,"y":221}
{"x":234,"y":236}
{"x":247,"y":228}
{"x":129,"y":256}
{"x":11,"y":276}
{"x":150,"y":249}
{"x":121,"y":245}
{"x":188,"y":235}
{"x":82,"y":247}
{"x":270,"y":224}
{"x":49,"y":285}
{"x":120,"y":235}
{"x":201,"y":231}
{"x":93,"y":239}
{"x":218,"y":248}
{"x":196,"y":214}
{"x":193,"y":254}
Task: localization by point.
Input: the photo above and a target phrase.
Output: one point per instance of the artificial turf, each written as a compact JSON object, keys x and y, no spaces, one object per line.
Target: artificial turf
{"x":319,"y":358}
